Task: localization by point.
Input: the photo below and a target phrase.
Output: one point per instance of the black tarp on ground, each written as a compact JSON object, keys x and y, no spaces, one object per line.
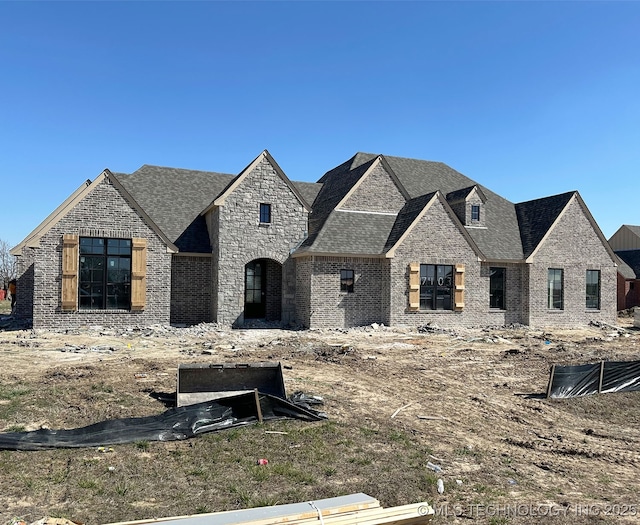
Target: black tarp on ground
{"x":174,"y":424}
{"x":583,"y":380}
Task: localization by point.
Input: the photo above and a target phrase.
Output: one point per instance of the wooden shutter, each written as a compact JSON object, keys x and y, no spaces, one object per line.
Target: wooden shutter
{"x":69,"y":272}
{"x":459,"y":288}
{"x":138,"y":273}
{"x":414,"y":287}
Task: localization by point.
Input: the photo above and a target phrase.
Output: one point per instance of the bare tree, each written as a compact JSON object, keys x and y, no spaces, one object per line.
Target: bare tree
{"x":8,"y":266}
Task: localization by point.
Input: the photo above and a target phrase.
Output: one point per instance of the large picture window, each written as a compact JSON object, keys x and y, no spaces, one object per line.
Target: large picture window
{"x":593,"y":289}
{"x":436,"y":287}
{"x":497,"y":288}
{"x":105,"y":274}
{"x":555,"y":289}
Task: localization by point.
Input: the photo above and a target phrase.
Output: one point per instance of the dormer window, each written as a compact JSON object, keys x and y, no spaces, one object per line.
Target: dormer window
{"x":468,"y":205}
{"x":265,"y":213}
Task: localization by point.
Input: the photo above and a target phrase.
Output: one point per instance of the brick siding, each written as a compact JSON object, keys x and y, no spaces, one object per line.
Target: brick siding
{"x":190,"y":289}
{"x":377,"y":193}
{"x":331,"y":308}
{"x":574,"y":247}
{"x":109,"y":216}
{"x":437,"y":240}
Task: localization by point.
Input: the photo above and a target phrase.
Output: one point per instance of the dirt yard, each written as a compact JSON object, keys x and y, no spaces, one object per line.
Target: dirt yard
{"x":470,"y":402}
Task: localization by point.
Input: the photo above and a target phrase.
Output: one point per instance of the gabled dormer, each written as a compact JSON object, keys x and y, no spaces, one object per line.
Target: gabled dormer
{"x":469,"y":205}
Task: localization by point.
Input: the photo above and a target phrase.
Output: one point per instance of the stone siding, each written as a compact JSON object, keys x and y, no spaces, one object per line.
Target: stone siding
{"x":241,"y":238}
{"x":574,"y":247}
{"x":331,"y":308}
{"x":109,"y":215}
{"x":190,"y":289}
{"x":377,"y":193}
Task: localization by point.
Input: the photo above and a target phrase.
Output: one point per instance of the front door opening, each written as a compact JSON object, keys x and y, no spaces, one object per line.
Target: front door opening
{"x":255,"y":289}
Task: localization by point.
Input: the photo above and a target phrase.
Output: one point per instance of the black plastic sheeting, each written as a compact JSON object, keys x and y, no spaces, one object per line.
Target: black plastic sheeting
{"x":175,"y":424}
{"x":584,"y":380}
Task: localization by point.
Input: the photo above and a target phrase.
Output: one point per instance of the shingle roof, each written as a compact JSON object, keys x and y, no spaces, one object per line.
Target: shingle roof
{"x":537,"y":216}
{"x":174,"y":198}
{"x":308,"y":190}
{"x":354,"y":233}
{"x":335,"y":185}
{"x":405,"y":218}
{"x":500,"y":240}
{"x":631,"y":259}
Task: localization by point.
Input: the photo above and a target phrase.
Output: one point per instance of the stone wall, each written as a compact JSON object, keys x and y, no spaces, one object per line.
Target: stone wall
{"x":190,"y":289}
{"x":109,"y":215}
{"x":241,"y":238}
{"x":574,"y":247}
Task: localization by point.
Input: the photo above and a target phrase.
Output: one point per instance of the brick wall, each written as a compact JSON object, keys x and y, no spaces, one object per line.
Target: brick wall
{"x":437,"y":240}
{"x":377,"y":193}
{"x":190,"y":289}
{"x":303,"y":269}
{"x":109,"y":215}
{"x":512,"y":314}
{"x":574,"y":247}
{"x":240,"y":238}
{"x":25,"y":283}
{"x":331,"y":308}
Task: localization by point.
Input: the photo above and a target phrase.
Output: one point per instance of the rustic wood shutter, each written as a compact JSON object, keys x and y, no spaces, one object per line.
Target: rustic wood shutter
{"x":414,"y":287}
{"x":138,"y":274}
{"x":69,"y":272}
{"x":459,"y":288}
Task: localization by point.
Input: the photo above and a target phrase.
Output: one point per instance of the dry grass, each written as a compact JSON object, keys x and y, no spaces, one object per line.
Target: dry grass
{"x":503,"y":442}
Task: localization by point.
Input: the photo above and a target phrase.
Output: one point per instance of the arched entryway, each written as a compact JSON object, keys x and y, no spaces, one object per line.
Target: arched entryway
{"x":263,"y":290}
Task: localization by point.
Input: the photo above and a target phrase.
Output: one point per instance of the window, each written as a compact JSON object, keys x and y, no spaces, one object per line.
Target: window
{"x":346,"y":281}
{"x":475,"y":212}
{"x":436,"y":287}
{"x":555,"y":289}
{"x":593,"y":289}
{"x":497,"y":278}
{"x":265,"y":213}
{"x":105,"y":274}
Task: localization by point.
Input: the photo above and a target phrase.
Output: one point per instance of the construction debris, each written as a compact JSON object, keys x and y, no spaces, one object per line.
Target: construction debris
{"x":354,"y":509}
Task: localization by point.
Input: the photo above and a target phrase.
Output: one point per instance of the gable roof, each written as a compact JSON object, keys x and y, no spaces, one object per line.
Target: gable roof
{"x":500,"y":240}
{"x":413,"y":211}
{"x":460,"y":195}
{"x":265,"y":155}
{"x":174,"y":198}
{"x":34,"y":237}
{"x":536,"y":217}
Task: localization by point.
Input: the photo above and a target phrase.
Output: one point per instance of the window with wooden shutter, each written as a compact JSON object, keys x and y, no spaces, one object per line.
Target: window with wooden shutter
{"x":138,"y":274}
{"x":414,"y":287}
{"x":69,"y":297}
{"x":459,"y":288}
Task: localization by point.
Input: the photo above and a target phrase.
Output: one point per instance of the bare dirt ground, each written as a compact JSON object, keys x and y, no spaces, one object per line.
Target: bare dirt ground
{"x":472,"y":402}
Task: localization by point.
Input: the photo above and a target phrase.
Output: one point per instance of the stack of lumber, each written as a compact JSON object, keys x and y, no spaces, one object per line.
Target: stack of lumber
{"x":354,"y":509}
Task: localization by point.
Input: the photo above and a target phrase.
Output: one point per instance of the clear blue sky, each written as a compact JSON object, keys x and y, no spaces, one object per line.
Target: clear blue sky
{"x":527,"y":98}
